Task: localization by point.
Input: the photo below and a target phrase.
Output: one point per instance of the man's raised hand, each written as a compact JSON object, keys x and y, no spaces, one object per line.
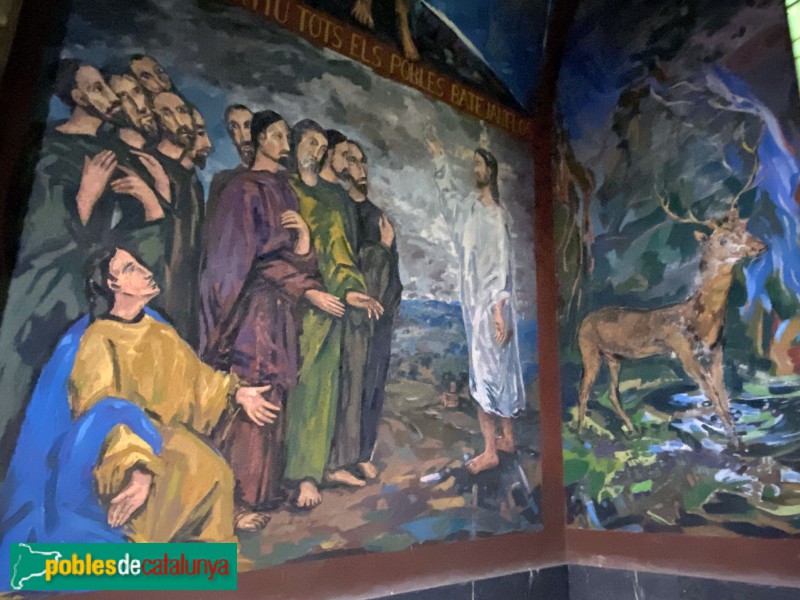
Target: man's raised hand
{"x":158,"y":174}
{"x":133,"y":185}
{"x":132,"y":496}
{"x":291,"y":219}
{"x":255,"y":406}
{"x":94,"y":179}
{"x":364,"y":302}
{"x":325,"y":302}
{"x":387,"y":231}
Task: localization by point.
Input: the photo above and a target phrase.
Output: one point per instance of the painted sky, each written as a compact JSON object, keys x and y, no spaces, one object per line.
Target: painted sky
{"x":218,"y":54}
{"x":510,"y":34}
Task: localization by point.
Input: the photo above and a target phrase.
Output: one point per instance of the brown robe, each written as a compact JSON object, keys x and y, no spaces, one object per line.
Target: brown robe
{"x":250,"y":324}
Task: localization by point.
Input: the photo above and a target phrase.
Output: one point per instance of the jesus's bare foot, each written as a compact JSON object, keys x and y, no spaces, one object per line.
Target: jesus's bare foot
{"x":362,"y":12}
{"x":345,"y":478}
{"x":406,"y":41}
{"x":245,"y":520}
{"x":505,"y":444}
{"x":482,"y":462}
{"x":368,"y":469}
{"x":308,"y":496}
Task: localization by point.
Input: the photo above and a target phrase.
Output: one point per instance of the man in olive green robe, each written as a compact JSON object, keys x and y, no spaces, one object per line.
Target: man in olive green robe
{"x":83,"y":194}
{"x":184,"y":493}
{"x":312,"y":405}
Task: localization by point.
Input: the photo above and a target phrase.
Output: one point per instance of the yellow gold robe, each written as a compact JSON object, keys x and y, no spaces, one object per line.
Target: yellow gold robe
{"x":145,"y":362}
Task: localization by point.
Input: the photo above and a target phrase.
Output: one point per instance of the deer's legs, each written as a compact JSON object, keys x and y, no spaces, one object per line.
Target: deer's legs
{"x":717,"y":375}
{"x":613,"y":391}
{"x":591,"y":367}
{"x":697,"y":371}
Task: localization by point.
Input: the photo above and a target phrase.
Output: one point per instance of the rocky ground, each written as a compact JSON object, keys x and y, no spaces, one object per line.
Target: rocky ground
{"x":418,"y":437}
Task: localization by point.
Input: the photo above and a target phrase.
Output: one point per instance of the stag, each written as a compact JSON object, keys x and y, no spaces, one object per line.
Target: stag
{"x":690,"y":331}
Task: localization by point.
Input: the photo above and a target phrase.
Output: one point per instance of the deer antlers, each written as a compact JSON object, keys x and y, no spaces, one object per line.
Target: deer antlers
{"x":756,"y":164}
{"x":690,"y":218}
{"x":734,"y":209}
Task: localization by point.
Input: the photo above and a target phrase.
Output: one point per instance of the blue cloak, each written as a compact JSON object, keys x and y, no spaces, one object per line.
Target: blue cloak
{"x":49,"y":495}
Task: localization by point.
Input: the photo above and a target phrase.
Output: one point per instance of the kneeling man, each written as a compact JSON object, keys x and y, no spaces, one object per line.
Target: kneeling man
{"x":185,"y":492}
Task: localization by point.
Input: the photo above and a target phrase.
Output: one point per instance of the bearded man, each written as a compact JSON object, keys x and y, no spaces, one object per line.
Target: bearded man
{"x":312,"y":406}
{"x":238,"y":121}
{"x":81,"y":194}
{"x":177,"y":152}
{"x":481,"y":238}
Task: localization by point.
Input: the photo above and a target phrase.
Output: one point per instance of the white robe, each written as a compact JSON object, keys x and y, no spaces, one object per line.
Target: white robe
{"x":483,"y":245}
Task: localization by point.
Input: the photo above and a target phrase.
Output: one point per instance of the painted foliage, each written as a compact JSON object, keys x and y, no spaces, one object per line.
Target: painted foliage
{"x":327,"y":266}
{"x":677,"y":257}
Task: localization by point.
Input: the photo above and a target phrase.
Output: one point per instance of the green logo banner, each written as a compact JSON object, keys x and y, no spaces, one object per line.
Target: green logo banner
{"x":53,"y":567}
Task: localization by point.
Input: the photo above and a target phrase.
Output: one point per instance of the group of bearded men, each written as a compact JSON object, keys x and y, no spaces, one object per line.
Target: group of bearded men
{"x":279,"y":289}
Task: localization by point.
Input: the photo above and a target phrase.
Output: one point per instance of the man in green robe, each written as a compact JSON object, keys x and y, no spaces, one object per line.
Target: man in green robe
{"x":312,"y":406}
{"x":81,"y":196}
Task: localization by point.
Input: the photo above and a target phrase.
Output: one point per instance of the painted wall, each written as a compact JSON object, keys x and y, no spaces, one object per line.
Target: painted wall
{"x":669,"y":118}
{"x":217,"y":55}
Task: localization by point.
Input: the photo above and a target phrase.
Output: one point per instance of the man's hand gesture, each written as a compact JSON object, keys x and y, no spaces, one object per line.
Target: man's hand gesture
{"x":94,"y":179}
{"x":387,"y":231}
{"x":259,"y":410}
{"x":132,"y":496}
{"x":501,"y":332}
{"x":325,"y":302}
{"x":364,"y":302}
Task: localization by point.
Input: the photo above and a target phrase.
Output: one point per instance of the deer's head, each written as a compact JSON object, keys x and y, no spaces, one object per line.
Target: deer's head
{"x":729,"y":241}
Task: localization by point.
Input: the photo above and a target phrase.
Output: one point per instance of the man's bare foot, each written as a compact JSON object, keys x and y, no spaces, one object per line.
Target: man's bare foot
{"x":368,"y":469}
{"x":309,"y":495}
{"x":362,"y":12}
{"x":409,"y":48}
{"x":345,"y":478}
{"x":482,"y":462}
{"x":245,"y":520}
{"x":505,"y":444}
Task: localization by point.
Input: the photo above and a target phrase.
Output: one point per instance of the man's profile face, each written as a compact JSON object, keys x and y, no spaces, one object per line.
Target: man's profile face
{"x":481,"y":172}
{"x":273,"y":142}
{"x":93,"y":95}
{"x":175,"y":119}
{"x":311,"y":150}
{"x":202,"y":143}
{"x":151,"y":75}
{"x":357,"y":168}
{"x":338,"y":160}
{"x":238,"y":124}
{"x":135,"y":104}
{"x":128,"y":277}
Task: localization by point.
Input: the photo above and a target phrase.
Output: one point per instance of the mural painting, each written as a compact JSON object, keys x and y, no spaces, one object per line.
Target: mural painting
{"x":676,"y":227}
{"x":264,"y":295}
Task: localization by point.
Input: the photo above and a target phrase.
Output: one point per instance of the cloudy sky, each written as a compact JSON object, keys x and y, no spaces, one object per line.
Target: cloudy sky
{"x":218,"y":54}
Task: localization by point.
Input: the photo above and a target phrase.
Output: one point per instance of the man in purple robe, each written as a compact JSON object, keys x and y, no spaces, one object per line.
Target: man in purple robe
{"x":259,"y":267}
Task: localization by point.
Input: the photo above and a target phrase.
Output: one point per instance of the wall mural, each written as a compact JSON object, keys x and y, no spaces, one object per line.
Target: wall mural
{"x":676,"y":227}
{"x":264,"y":294}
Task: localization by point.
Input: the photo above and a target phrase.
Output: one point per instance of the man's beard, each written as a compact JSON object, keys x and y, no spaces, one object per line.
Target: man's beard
{"x":118,"y":118}
{"x":200,"y":161}
{"x":183,"y":137}
{"x":310,"y":165}
{"x":482,"y":182}
{"x":361,"y":185}
{"x":246,"y":153}
{"x":343,"y":176}
{"x":148,"y":128}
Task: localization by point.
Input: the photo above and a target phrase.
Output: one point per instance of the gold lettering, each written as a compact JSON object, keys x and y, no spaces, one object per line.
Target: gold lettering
{"x":278,"y":18}
{"x":337,"y":37}
{"x":303,"y":13}
{"x":376,"y":56}
{"x":395,"y":61}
